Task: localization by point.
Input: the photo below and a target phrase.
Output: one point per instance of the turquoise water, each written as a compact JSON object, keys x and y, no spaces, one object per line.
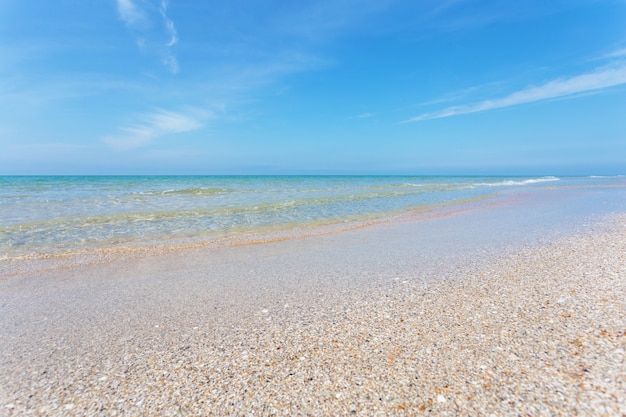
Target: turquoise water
{"x":48,"y":214}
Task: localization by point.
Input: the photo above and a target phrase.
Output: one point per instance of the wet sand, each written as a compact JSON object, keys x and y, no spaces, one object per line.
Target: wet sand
{"x":458,"y":314}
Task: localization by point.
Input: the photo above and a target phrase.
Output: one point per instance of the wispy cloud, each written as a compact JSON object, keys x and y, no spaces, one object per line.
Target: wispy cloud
{"x":169,"y":59}
{"x":595,"y":81}
{"x":169,"y":25}
{"x":617,"y":54}
{"x":363,"y":116}
{"x":139,"y":16}
{"x":154,"y":125}
{"x":130,"y":14}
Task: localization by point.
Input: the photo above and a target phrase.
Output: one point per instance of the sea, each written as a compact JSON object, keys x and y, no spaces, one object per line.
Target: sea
{"x":42,"y":215}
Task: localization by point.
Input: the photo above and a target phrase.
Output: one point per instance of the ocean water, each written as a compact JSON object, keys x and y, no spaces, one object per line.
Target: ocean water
{"x":48,"y":214}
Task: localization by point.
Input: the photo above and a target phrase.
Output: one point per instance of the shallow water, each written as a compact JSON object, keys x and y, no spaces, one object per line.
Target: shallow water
{"x":51,"y":214}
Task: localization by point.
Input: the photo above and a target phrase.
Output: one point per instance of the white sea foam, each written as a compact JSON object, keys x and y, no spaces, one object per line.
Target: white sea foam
{"x":409,"y":184}
{"x":510,"y":183}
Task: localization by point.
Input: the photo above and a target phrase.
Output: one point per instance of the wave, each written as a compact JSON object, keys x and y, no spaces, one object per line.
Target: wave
{"x":199,"y":191}
{"x":269,"y":209}
{"x":460,"y":185}
{"x":516,"y":182}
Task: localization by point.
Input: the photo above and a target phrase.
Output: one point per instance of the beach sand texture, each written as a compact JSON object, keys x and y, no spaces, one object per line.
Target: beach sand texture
{"x":534,"y":331}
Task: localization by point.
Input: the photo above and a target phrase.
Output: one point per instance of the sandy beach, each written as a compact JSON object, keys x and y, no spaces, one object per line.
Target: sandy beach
{"x":312,"y":208}
{"x":483,"y":320}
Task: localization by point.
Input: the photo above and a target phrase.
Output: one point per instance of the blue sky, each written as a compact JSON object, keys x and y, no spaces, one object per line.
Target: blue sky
{"x":333,"y":86}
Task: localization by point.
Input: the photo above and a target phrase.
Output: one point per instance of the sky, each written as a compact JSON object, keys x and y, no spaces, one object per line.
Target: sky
{"x":471,"y":87}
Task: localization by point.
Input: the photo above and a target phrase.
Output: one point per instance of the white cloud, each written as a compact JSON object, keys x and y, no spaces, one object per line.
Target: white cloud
{"x":139,"y":16}
{"x":616,"y":54}
{"x":169,"y":25}
{"x":152,"y":126}
{"x":597,"y":80}
{"x":129,"y":12}
{"x":171,"y":63}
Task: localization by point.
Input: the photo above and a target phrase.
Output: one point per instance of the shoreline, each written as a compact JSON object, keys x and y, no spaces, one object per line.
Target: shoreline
{"x":40,"y":262}
{"x":23,"y":247}
{"x":102,"y":254}
{"x":398,"y":318}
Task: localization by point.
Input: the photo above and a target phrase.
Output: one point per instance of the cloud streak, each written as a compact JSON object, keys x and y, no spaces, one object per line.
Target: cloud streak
{"x":169,"y":25}
{"x":600,"y":79}
{"x":620,"y":53}
{"x":152,"y":126}
{"x":138,"y":15}
{"x":129,"y":12}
